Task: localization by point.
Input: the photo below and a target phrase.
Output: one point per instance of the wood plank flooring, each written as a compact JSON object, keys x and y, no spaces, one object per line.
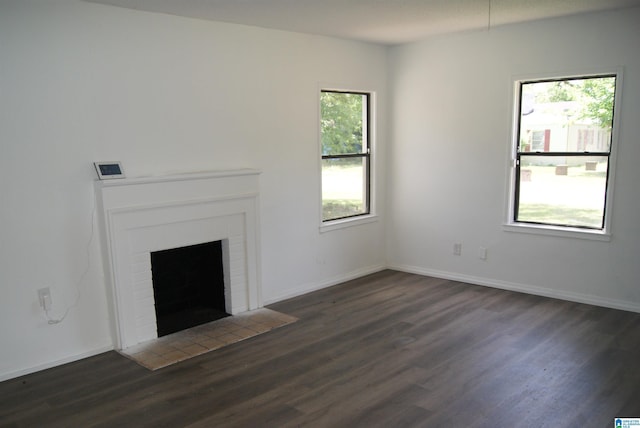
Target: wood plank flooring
{"x":388,"y":350}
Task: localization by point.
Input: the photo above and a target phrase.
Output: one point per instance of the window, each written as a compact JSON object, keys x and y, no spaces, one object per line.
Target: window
{"x":344,"y":129}
{"x":563,"y":151}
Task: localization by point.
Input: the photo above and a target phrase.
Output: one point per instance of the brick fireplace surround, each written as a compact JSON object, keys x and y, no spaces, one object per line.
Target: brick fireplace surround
{"x":142,"y":215}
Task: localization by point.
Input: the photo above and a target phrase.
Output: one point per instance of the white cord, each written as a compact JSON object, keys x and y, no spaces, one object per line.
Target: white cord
{"x":52,"y":321}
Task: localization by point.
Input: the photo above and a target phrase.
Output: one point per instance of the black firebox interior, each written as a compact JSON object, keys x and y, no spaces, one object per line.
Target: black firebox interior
{"x":188,"y":286}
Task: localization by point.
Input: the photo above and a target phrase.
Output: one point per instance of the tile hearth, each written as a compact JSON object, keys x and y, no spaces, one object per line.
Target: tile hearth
{"x":170,"y":349}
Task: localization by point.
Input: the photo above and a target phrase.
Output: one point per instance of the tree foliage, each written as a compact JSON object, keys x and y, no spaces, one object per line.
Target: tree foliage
{"x":562,"y":90}
{"x":341,"y":122}
{"x":599,"y":94}
{"x":595,"y":96}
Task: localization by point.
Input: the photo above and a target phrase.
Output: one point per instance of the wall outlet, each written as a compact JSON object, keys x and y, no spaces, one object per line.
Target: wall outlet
{"x":482,"y":253}
{"x":44,"y":298}
{"x":457,"y":249}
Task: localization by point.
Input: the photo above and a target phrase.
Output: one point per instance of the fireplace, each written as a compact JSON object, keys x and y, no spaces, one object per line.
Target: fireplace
{"x":188,"y":286}
{"x":144,"y":216}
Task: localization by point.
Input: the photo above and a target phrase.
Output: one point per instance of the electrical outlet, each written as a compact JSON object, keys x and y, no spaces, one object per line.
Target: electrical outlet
{"x":44,"y":298}
{"x":482,"y":253}
{"x":457,"y":249}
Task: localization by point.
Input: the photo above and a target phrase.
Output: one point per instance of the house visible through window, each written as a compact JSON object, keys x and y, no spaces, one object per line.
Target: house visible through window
{"x":344,"y":127}
{"x":563,"y":151}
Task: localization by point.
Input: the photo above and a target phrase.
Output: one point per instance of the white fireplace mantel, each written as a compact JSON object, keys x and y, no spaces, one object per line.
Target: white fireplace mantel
{"x":142,"y":215}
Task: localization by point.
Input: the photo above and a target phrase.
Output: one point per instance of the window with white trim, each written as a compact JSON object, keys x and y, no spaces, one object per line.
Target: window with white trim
{"x":346,"y":154}
{"x":562,"y":152}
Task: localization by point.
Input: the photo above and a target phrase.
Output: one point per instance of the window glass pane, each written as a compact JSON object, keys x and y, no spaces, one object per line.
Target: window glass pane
{"x":568,"y":115}
{"x":562,"y":190}
{"x":344,"y":188}
{"x":343,"y":123}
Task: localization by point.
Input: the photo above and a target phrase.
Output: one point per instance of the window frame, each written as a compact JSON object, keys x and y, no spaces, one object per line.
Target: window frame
{"x":368,"y":156}
{"x":581,"y":232}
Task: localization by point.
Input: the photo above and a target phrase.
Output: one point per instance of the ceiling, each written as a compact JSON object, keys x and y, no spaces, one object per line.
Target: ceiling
{"x":379,"y":21}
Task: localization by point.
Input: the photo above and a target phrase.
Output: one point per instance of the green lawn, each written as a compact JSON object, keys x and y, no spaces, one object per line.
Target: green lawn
{"x":575,"y":199}
{"x":560,"y":215}
{"x":341,"y":208}
{"x":343,"y":191}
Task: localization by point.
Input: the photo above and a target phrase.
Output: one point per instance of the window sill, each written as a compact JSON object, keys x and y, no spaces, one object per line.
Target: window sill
{"x":347,"y":222}
{"x":564,"y":232}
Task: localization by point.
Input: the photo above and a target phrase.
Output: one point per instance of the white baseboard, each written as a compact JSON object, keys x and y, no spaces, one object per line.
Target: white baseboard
{"x":522,"y":288}
{"x":51,"y":364}
{"x":308,"y":288}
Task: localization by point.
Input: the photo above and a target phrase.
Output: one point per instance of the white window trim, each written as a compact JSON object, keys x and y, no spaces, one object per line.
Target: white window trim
{"x":552,"y":230}
{"x":562,"y":231}
{"x":342,"y":223}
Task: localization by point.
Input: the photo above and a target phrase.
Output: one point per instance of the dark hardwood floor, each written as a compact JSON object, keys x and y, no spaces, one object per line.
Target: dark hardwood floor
{"x":388,"y":350}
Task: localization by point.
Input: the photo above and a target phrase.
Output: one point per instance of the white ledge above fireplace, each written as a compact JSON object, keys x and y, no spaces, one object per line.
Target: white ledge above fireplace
{"x":142,"y":215}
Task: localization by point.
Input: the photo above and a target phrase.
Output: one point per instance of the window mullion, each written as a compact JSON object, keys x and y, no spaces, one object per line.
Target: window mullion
{"x":559,"y":154}
{"x":345,"y":156}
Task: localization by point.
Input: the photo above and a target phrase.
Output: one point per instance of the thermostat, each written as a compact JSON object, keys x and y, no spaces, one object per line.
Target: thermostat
{"x":109,"y":170}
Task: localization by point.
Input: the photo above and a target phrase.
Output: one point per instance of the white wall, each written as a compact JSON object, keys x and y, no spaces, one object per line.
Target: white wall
{"x":81,"y":82}
{"x":451,"y":119}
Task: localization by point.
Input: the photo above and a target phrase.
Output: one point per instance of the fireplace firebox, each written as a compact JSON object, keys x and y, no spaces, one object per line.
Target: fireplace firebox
{"x":188,"y":286}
